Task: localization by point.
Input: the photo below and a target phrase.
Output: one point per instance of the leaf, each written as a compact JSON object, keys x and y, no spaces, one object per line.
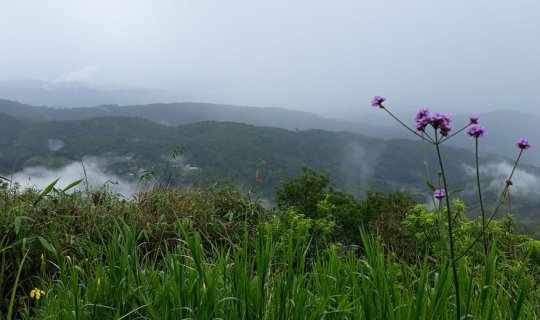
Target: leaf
{"x":72,"y":185}
{"x":17,"y":224}
{"x":4,"y":178}
{"x":46,"y":191}
{"x":431,"y":186}
{"x":455,"y":191}
{"x":46,"y":244}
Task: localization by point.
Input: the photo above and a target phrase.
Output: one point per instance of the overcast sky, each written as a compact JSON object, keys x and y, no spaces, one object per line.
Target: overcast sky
{"x":324,"y":56}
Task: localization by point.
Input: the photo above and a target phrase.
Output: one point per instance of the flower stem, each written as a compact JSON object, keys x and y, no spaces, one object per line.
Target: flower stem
{"x":480,"y":197}
{"x":406,"y":127}
{"x":495,"y":211}
{"x":450,"y":236}
{"x":453,"y":134}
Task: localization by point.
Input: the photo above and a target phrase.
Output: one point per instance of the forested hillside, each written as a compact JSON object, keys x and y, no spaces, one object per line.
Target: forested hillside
{"x":209,"y":150}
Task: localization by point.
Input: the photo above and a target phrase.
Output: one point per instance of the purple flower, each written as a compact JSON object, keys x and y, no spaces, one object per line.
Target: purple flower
{"x":432,"y":260}
{"x":445,"y":128}
{"x":422,"y":114}
{"x":438,"y":119}
{"x":523,"y":144}
{"x":421,"y":119}
{"x":508,"y":182}
{"x":474,"y":119}
{"x":476,"y":131}
{"x":439,"y":194}
{"x":421,"y":124}
{"x":377,"y":101}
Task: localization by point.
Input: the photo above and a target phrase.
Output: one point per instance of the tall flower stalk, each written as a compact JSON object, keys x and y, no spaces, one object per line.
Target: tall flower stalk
{"x":450,"y":234}
{"x":476,"y":131}
{"x":441,"y":125}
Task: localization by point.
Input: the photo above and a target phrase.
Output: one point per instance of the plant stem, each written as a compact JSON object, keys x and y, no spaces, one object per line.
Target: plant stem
{"x":407,"y":127}
{"x":453,"y":134}
{"x":495,"y":211}
{"x":450,"y":236}
{"x":480,"y":197}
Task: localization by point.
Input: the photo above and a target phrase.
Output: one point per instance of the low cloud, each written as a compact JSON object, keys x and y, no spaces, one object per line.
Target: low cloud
{"x":494,"y":176}
{"x":96,"y":176}
{"x":55,"y":144}
{"x":84,"y":74}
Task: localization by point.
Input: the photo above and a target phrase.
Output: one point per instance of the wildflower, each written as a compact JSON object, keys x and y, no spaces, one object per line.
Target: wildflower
{"x":421,"y":124}
{"x":439,"y":194}
{"x":377,"y":101}
{"x":438,"y":119}
{"x":474,"y":119}
{"x":431,"y":260}
{"x":523,"y":144}
{"x":203,"y":288}
{"x":508,"y":182}
{"x":445,"y":128}
{"x":36,"y":293}
{"x":476,"y":131}
{"x":422,"y":114}
{"x":421,"y":119}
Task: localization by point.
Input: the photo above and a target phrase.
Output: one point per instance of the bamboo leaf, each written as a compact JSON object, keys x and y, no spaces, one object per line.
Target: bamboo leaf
{"x":49,"y":247}
{"x":431,"y":186}
{"x":46,"y":191}
{"x":17,"y":224}
{"x":72,"y":185}
{"x":455,"y":191}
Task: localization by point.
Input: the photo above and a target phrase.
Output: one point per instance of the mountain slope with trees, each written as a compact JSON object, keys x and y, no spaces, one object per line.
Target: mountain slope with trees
{"x":235,"y":151}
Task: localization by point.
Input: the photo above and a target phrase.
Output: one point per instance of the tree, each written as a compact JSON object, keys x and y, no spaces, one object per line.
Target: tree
{"x":303,"y":192}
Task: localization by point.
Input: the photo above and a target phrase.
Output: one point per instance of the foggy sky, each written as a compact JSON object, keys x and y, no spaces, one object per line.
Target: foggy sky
{"x":329,"y":57}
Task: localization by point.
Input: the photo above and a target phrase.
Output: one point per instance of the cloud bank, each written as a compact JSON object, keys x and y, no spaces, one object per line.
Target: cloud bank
{"x":96,"y":177}
{"x":494,"y":175}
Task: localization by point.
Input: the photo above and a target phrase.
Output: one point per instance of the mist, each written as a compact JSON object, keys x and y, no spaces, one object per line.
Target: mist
{"x":494,"y":175}
{"x":94,"y":175}
{"x":326,"y":57}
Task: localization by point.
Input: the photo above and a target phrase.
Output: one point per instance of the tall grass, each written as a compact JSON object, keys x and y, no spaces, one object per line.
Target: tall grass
{"x":259,"y":281}
{"x":214,"y":254}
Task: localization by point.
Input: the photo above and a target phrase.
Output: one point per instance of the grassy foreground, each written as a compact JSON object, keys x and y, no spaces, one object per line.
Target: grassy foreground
{"x":216,"y":254}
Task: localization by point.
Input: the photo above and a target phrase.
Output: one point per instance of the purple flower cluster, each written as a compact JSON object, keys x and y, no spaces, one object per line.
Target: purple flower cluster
{"x":476,"y":131}
{"x":377,"y":101}
{"x":437,"y":120}
{"x":474,"y":119}
{"x":523,"y":144}
{"x":439,"y":194}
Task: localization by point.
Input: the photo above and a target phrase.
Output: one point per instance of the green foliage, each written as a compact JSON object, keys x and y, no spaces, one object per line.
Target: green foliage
{"x":303,"y":192}
{"x":214,"y":253}
{"x":233,"y":151}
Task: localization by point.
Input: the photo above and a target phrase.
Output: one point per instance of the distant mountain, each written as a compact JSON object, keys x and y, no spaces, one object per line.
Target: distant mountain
{"x":76,"y":94}
{"x":504,"y":127}
{"x":173,"y":114}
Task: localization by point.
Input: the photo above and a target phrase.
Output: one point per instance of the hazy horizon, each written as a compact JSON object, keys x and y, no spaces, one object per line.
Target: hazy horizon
{"x":327,"y":58}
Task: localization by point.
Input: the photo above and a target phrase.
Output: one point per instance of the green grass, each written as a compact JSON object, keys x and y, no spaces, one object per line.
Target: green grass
{"x":214,"y":254}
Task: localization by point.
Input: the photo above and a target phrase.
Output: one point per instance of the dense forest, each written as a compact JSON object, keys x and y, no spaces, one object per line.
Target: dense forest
{"x":132,"y":147}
